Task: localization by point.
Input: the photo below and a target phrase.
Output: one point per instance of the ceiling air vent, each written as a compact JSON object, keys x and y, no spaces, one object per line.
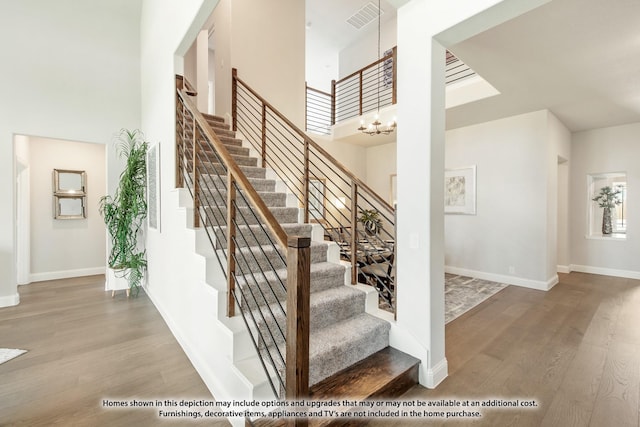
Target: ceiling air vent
{"x":368,"y":13}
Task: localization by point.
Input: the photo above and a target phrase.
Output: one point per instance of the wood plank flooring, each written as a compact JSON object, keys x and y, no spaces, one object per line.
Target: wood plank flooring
{"x":84,"y":347}
{"x":574,"y":349}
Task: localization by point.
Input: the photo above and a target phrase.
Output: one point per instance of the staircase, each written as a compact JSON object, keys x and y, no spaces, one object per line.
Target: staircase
{"x":342,"y":333}
{"x":349,"y":353}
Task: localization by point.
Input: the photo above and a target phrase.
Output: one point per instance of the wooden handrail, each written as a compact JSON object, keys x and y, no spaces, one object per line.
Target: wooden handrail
{"x":317,"y":147}
{"x":318,"y":91}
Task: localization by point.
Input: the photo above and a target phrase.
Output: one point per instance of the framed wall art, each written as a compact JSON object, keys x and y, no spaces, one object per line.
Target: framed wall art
{"x":460,"y":191}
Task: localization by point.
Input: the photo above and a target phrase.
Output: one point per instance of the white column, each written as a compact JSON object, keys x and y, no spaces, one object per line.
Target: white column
{"x":420,"y":146}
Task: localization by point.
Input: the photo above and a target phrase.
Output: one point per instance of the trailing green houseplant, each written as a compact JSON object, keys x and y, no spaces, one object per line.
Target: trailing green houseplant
{"x":370,"y":219}
{"x":124,"y":213}
{"x":607,"y":199}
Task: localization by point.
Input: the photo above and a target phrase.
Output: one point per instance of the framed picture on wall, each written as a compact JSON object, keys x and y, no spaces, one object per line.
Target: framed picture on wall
{"x":153,"y":186}
{"x":460,"y":191}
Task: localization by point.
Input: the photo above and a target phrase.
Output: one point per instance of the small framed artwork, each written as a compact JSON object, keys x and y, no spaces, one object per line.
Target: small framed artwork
{"x":460,"y":191}
{"x":153,"y":186}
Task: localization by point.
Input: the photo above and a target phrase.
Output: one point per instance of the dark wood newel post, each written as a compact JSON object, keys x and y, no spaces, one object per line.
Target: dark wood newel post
{"x":298,"y":291}
{"x":234,"y":99}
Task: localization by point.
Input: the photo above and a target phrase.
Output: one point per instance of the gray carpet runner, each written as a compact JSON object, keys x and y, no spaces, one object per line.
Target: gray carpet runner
{"x":341,"y":332}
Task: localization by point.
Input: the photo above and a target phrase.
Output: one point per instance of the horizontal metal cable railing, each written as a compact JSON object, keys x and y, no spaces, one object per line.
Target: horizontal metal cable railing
{"x":328,"y":192}
{"x":456,"y":70}
{"x":266,"y":270}
{"x":319,"y":111}
{"x":356,"y":94}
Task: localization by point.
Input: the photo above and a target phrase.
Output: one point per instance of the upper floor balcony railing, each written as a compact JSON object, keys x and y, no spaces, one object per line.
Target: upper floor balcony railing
{"x":359,"y":92}
{"x":362,"y":91}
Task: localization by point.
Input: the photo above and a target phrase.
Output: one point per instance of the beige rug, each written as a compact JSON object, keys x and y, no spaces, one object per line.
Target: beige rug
{"x":462,"y":293}
{"x":7,"y":354}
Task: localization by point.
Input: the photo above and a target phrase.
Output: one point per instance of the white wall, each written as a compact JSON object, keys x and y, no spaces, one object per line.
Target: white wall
{"x":613,"y":149}
{"x":71,"y":71}
{"x":381,"y":164}
{"x":559,"y":147}
{"x":66,"y":248}
{"x":508,"y":234}
{"x":270,"y":34}
{"x":364,"y":51}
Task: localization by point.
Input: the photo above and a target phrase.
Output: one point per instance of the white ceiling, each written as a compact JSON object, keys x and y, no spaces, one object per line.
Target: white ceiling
{"x":327,"y":21}
{"x":578,"y":58}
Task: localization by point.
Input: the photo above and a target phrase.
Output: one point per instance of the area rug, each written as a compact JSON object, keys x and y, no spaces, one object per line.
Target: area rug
{"x":7,"y":354}
{"x":462,"y":293}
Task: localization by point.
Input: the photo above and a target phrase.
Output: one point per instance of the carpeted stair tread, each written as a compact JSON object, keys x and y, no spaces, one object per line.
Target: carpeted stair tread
{"x":258,"y":184}
{"x":324,"y":275}
{"x":265,"y":258}
{"x":326,"y":308}
{"x":219,"y":198}
{"x":249,"y":171}
{"x":365,"y":334}
{"x":218,"y":215}
{"x":240,"y":160}
{"x":342,"y":344}
{"x":213,"y":118}
{"x":258,"y":235}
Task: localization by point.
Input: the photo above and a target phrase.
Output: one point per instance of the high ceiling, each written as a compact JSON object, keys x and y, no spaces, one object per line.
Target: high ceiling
{"x":578,"y":58}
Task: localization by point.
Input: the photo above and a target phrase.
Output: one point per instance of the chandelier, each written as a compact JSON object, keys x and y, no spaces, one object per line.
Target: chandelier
{"x":375,"y":127}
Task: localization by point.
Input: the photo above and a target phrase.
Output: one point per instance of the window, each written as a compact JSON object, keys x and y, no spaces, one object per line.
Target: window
{"x":607,"y":215}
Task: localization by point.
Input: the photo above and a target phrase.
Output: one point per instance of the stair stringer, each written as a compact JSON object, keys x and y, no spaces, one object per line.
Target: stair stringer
{"x":219,"y":347}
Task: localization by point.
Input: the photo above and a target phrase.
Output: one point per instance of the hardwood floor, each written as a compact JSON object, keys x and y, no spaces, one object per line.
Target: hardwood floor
{"x":574,"y":349}
{"x":84,"y":347}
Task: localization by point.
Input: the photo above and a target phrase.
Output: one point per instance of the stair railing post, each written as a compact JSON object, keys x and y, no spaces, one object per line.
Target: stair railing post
{"x":394,"y":84}
{"x":196,"y":175}
{"x":305,"y":182}
{"x":333,"y":102}
{"x":231,"y":244}
{"x":234,"y":99}
{"x":354,"y":233}
{"x":179,"y":134}
{"x":360,"y":95}
{"x":298,"y":294}
{"x":306,"y":106}
{"x":264,"y":135}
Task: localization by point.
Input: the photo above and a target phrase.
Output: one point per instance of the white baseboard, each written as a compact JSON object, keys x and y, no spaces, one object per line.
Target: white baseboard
{"x":66,"y":274}
{"x":10,"y":301}
{"x":509,"y":280}
{"x":437,"y":373}
{"x":563,"y":268}
{"x":628,"y":274}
